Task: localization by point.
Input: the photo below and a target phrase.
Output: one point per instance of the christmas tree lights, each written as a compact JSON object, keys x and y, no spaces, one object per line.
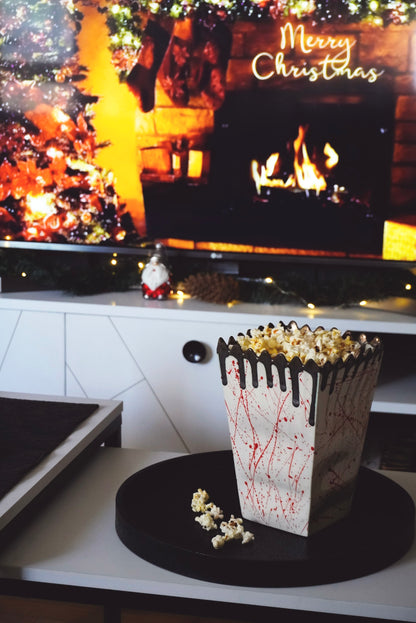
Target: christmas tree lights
{"x":50,"y":188}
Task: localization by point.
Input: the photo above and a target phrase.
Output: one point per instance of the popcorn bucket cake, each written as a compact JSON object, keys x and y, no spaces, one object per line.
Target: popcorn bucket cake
{"x":298,"y":403}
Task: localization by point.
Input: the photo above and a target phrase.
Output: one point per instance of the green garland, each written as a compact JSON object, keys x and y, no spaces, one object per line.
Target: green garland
{"x":340,"y":288}
{"x":125,"y":28}
{"x":90,"y":273}
{"x":124,"y":17}
{"x":380,"y":12}
{"x":76,"y":273}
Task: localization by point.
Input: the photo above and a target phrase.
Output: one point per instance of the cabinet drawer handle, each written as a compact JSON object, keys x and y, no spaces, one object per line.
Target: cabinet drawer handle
{"x":194,"y":351}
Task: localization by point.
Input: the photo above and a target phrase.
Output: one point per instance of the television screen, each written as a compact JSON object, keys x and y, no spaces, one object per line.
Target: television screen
{"x":276,"y":127}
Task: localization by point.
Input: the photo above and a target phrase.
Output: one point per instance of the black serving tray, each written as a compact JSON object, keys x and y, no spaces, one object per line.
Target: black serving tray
{"x":154,"y":519}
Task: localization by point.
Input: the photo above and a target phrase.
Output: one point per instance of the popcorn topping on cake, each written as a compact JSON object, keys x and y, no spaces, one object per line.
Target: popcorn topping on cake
{"x":321,"y":345}
{"x":289,"y":350}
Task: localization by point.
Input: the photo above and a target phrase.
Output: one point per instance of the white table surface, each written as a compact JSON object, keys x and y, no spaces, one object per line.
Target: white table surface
{"x":72,"y":541}
{"x":35,"y":481}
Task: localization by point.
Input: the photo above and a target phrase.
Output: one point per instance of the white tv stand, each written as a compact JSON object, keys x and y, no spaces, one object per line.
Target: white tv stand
{"x":120,"y":346}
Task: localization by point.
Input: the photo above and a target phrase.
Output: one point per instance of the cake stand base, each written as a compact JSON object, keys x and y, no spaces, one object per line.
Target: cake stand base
{"x":154,"y":519}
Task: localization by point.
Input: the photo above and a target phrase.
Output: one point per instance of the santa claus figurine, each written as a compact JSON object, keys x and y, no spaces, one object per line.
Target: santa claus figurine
{"x":156,"y":279}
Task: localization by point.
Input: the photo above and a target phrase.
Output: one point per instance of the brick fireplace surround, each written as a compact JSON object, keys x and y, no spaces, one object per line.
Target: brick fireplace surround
{"x":391,"y":49}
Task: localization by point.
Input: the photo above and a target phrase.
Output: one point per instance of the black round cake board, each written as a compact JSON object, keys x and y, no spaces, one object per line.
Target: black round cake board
{"x":154,"y":519}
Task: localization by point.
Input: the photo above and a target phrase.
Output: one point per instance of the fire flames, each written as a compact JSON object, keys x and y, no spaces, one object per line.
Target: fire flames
{"x":307,"y":175}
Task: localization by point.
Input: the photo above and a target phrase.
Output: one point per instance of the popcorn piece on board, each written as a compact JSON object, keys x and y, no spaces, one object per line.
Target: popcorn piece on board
{"x":232,"y":530}
{"x":206,"y":521}
{"x":199,"y":500}
{"x":214,"y":511}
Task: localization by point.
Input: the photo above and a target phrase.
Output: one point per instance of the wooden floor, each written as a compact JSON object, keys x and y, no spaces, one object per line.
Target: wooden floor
{"x":29,"y":610}
{"x":19,"y":610}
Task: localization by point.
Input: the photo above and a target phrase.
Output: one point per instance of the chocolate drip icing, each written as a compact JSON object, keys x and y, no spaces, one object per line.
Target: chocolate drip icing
{"x":267,"y":367}
{"x":295,"y":367}
{"x":315,"y":372}
{"x":320,"y":374}
{"x":325,"y":372}
{"x":281,"y":363}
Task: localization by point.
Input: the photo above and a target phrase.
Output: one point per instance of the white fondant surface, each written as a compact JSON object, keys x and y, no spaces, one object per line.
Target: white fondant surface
{"x":292,"y":475}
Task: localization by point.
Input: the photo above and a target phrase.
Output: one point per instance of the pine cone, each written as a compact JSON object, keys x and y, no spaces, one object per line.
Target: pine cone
{"x":212,"y":287}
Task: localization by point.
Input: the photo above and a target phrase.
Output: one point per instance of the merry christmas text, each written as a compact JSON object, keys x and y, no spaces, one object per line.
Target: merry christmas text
{"x":336,"y":63}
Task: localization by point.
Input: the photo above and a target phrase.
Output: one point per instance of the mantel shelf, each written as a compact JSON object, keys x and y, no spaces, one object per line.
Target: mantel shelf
{"x":394,"y":315}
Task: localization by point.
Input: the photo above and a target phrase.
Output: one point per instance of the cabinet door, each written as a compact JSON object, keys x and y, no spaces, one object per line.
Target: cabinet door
{"x":8,"y":322}
{"x":99,"y":364}
{"x":32,"y":352}
{"x":190,"y":393}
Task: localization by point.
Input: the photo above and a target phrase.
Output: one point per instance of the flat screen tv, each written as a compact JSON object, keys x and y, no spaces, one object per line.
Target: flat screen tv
{"x":253,"y":127}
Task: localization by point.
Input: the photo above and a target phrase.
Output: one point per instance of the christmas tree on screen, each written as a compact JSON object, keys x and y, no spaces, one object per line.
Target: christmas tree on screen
{"x":50,"y":187}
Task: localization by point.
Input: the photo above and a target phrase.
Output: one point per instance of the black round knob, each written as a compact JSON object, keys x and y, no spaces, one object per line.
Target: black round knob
{"x":194,"y":351}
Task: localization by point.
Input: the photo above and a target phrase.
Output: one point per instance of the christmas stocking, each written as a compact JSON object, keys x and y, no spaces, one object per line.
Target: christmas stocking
{"x":142,"y":77}
{"x":214,"y":40}
{"x":175,"y":70}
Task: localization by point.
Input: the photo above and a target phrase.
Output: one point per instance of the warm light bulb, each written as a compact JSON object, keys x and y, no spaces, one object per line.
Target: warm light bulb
{"x":140,"y":265}
{"x":180,"y":296}
{"x":113,"y":262}
{"x":408,"y":286}
{"x":23,"y":274}
{"x":127,"y":38}
{"x":268,"y":280}
{"x":175,"y":10}
{"x":311,"y":306}
{"x":363,"y":303}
